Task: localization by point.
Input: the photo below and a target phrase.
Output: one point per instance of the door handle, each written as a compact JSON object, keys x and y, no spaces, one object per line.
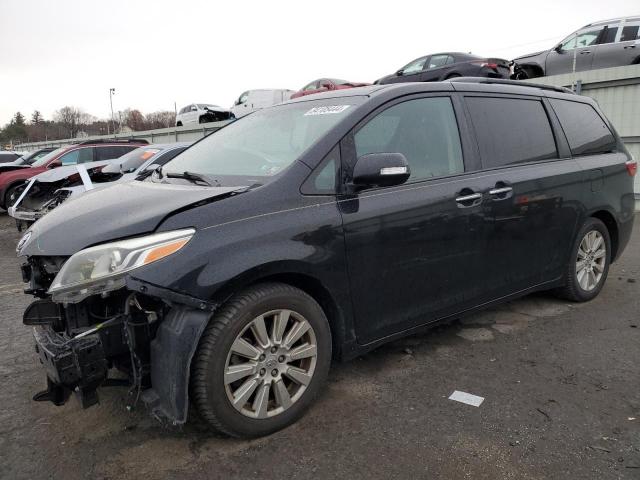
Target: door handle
{"x":500,"y":191}
{"x":629,"y":46}
{"x":585,"y":52}
{"x":470,"y":200}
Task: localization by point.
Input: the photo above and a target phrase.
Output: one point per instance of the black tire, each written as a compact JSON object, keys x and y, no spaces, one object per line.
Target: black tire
{"x":572,"y":289}
{"x":11,"y":196}
{"x":208,"y":391}
{"x":179,"y":124}
{"x":520,"y":74}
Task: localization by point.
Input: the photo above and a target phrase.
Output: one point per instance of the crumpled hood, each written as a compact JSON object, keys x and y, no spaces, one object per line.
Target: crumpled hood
{"x":529,"y":55}
{"x":59,"y":173}
{"x":122,"y":210}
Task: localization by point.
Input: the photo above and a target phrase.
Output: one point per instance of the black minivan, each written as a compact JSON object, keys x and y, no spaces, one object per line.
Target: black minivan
{"x":318,"y":229}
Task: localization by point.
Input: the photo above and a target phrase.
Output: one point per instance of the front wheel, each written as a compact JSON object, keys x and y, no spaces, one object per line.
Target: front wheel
{"x":12,"y":195}
{"x":589,"y":263}
{"x":261,"y":361}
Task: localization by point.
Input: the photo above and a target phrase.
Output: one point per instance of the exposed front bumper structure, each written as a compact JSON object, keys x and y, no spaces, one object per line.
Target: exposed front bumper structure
{"x":77,"y":365}
{"x":146,"y":332}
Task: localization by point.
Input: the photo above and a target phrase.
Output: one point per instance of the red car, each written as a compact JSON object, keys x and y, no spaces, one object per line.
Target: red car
{"x":325,"y":85}
{"x":12,"y":177}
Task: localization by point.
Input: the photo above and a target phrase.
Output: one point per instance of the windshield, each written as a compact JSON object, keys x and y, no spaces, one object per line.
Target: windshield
{"x":44,"y":160}
{"x":30,"y":158}
{"x":263,"y":144}
{"x":132,"y":160}
{"x":207,"y":105}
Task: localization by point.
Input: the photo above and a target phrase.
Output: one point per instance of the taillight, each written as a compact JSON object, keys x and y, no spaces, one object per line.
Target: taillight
{"x":487,"y":64}
{"x":632,"y":168}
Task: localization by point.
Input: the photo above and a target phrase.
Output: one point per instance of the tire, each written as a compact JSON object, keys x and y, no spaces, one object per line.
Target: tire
{"x":215,"y":383}
{"x":520,"y":74}
{"x":578,"y":287}
{"x":179,"y":124}
{"x":11,"y":196}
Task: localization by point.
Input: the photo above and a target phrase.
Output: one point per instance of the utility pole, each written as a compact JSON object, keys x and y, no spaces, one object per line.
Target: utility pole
{"x":112,"y":92}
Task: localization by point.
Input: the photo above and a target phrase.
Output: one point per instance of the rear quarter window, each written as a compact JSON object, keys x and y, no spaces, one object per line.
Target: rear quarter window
{"x":511,"y":130}
{"x":586,"y":131}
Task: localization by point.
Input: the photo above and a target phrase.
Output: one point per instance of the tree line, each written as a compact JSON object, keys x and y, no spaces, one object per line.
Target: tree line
{"x":72,"y":122}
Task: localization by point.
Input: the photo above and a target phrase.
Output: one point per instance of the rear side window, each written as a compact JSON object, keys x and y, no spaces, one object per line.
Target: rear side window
{"x":423,"y":130}
{"x":630,"y":32}
{"x":8,"y":157}
{"x":511,"y":130}
{"x":107,"y":153}
{"x":439,"y":60}
{"x":586,"y":132}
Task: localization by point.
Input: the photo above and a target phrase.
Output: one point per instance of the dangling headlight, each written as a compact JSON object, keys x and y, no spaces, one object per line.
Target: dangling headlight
{"x":101,"y":268}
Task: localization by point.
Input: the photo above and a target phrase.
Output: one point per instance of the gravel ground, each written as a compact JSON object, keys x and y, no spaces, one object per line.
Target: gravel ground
{"x":560,"y":383}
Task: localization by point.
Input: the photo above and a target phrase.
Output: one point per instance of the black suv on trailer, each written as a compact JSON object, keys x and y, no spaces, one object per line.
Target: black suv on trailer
{"x":319,"y":229}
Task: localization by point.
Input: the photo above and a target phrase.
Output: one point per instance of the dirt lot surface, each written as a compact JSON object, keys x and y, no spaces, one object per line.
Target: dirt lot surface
{"x":561,"y":386}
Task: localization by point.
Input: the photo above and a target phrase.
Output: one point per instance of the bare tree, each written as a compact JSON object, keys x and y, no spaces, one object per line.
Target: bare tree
{"x":135,"y":120}
{"x":161,"y":119}
{"x":69,"y":119}
{"x":36,"y":117}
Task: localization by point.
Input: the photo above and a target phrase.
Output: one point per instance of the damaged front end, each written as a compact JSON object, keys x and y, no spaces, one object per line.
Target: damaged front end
{"x":93,"y":318}
{"x":49,"y":190}
{"x":39,"y":199}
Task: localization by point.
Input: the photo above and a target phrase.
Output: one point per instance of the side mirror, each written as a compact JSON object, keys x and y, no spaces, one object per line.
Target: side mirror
{"x":152,"y":167}
{"x":326,"y":85}
{"x":400,"y":72}
{"x":381,"y":169}
{"x":558,"y":48}
{"x":54,"y":165}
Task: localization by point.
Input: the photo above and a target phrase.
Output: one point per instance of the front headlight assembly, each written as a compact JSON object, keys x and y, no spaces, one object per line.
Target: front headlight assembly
{"x":102,"y":268}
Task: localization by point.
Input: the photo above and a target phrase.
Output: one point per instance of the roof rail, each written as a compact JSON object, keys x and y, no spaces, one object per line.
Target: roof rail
{"x":114,"y":140}
{"x":502,"y":81}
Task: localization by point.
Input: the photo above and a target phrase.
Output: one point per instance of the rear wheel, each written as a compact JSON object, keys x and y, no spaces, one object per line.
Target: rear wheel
{"x":261,"y":361}
{"x":589,"y":263}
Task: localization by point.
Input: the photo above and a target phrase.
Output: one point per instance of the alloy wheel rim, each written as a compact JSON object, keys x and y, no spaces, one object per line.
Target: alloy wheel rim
{"x":591,"y":260}
{"x":270,"y":364}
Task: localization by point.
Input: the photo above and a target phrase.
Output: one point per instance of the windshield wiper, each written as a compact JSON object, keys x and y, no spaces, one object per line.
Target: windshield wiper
{"x":193,"y":177}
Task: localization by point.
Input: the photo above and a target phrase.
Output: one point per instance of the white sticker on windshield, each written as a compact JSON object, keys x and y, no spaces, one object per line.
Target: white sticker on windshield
{"x":327,"y":110}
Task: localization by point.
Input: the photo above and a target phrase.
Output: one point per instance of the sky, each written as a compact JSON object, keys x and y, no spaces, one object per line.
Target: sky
{"x":155,"y":53}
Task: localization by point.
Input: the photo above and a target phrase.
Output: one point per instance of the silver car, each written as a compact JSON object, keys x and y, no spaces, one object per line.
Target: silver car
{"x":604,"y":44}
{"x":48,"y":190}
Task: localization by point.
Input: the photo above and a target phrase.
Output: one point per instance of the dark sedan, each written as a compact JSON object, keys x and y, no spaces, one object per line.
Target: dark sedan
{"x":442,"y":66}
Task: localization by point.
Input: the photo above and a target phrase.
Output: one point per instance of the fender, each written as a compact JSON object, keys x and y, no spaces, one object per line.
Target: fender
{"x":171,"y":353}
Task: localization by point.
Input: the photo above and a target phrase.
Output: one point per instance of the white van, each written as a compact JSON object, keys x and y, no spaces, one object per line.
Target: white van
{"x":253,"y":100}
